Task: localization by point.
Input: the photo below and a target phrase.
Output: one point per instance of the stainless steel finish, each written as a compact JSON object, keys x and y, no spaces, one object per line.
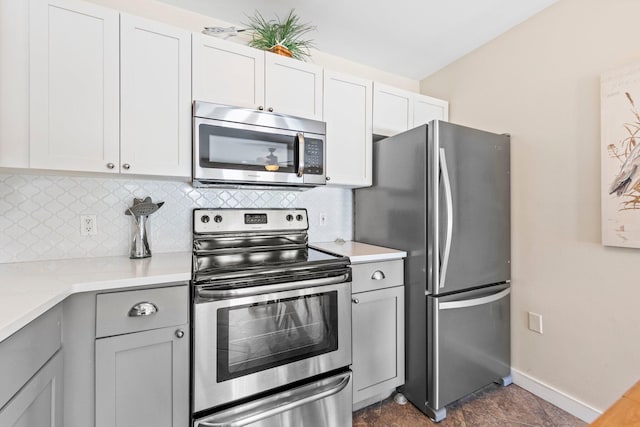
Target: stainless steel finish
{"x":326,"y":402}
{"x":355,"y":300}
{"x":260,"y":107}
{"x":300,"y":139}
{"x":270,"y":109}
{"x":449,"y":218}
{"x":328,"y":178}
{"x":209,"y":392}
{"x":140,"y":211}
{"x":180,"y":333}
{"x":204,"y":295}
{"x":378,"y":275}
{"x":446,"y":192}
{"x":475,"y":301}
{"x":232,"y":221}
{"x":476,"y":357}
{"x":111,"y":165}
{"x":126,"y":166}
{"x":252,"y":117}
{"x":143,"y":309}
{"x":252,"y":120}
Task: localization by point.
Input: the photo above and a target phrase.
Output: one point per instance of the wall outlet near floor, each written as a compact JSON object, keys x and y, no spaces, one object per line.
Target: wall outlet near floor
{"x":535,"y":322}
{"x":88,"y":226}
{"x":323,"y":219}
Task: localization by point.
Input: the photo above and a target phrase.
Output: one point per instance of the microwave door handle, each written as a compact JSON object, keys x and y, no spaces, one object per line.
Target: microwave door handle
{"x":300,"y":145}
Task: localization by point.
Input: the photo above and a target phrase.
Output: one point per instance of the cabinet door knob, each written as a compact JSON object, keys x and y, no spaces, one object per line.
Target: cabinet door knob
{"x":377,"y":275}
{"x":179,"y":333}
{"x":271,"y":109}
{"x":143,"y":309}
{"x":355,"y":300}
{"x":328,"y":178}
{"x":260,"y":107}
{"x":110,"y":165}
{"x":126,"y":166}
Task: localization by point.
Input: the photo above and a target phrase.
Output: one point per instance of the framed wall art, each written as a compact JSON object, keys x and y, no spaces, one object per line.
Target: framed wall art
{"x":620,"y":145}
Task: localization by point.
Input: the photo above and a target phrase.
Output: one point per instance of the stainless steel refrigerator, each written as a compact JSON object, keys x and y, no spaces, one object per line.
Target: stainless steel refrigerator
{"x":441,"y":192}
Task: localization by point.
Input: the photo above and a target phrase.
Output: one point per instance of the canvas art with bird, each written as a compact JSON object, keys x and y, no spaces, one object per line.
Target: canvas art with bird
{"x":627,"y":181}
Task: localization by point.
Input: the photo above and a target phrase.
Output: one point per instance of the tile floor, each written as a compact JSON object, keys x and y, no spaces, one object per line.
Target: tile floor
{"x":493,"y":406}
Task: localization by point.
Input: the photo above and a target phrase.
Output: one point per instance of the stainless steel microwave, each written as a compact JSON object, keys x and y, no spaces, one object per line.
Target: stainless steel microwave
{"x":237,"y":146}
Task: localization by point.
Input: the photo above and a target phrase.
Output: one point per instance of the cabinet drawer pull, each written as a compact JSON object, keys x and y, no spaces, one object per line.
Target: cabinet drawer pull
{"x":143,"y":309}
{"x":378,"y":275}
{"x":355,"y":300}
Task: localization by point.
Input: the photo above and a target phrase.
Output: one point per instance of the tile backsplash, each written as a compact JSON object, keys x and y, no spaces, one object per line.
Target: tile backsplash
{"x":40,"y":215}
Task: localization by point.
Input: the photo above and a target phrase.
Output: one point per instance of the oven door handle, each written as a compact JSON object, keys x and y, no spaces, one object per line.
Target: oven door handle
{"x":267,"y":289}
{"x":252,"y":412}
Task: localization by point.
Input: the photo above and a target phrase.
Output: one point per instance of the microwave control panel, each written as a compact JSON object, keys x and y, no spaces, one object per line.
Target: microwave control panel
{"x":313,"y":155}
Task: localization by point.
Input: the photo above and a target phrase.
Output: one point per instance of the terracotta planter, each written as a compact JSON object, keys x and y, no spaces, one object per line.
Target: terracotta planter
{"x":281,"y":50}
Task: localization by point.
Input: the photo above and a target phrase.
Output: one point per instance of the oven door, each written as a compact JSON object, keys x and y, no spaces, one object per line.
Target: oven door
{"x":251,"y":344}
{"x":227,"y":152}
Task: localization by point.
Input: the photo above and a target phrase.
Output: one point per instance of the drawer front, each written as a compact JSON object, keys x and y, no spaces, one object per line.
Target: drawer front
{"x":134,"y":311}
{"x":377,"y":275}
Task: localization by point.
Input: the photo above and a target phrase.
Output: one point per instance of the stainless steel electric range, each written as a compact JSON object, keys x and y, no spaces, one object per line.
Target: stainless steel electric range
{"x":271,"y":322}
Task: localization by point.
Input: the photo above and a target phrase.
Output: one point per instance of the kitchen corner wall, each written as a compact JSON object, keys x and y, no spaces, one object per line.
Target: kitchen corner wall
{"x":40,"y":214}
{"x":541,"y":83}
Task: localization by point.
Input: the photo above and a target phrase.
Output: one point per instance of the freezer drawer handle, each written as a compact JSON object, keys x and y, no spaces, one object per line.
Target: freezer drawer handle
{"x":282,"y":402}
{"x":378,"y":275}
{"x":474,"y":302}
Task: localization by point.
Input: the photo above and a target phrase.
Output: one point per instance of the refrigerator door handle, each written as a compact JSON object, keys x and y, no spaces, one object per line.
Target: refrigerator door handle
{"x":474,"y":302}
{"x":449,"y":204}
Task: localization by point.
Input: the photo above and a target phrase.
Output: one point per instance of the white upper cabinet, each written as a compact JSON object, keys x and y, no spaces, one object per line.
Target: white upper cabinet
{"x":74,"y":87}
{"x":293,"y":87}
{"x":155,"y":63}
{"x":426,"y":108}
{"x":109,"y":93}
{"x":392,"y":109}
{"x":233,"y":74}
{"x":14,"y":84}
{"x":348,"y":113}
{"x":396,"y":110}
{"x":227,"y":73}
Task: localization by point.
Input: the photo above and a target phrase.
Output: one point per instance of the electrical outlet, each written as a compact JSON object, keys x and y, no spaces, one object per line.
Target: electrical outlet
{"x":323,"y":219}
{"x":88,"y":226}
{"x":535,"y":322}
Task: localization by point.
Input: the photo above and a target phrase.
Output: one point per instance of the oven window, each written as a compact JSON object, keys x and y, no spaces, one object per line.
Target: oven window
{"x":230,"y":148}
{"x":264,"y":335}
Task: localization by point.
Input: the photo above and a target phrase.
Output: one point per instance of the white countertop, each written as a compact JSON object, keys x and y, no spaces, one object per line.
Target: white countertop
{"x":28,"y":289}
{"x":360,"y":252}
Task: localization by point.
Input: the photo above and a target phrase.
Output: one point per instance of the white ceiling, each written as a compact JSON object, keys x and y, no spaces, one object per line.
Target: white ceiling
{"x":410,"y":38}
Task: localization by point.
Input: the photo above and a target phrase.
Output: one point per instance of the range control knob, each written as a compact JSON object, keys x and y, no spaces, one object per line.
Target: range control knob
{"x":299,"y":217}
{"x":217,"y":218}
{"x":289,"y":217}
{"x":205,"y":218}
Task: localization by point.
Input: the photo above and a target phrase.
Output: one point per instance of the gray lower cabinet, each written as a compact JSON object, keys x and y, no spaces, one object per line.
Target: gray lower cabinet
{"x":142,"y":379}
{"x":31,"y":374}
{"x":377,"y":331}
{"x":141,"y":363}
{"x":39,"y":402}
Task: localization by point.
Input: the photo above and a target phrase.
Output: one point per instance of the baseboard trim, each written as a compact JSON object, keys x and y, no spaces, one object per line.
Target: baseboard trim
{"x":552,"y":395}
